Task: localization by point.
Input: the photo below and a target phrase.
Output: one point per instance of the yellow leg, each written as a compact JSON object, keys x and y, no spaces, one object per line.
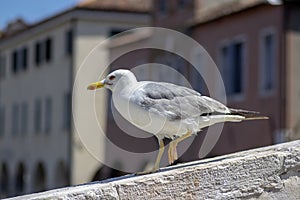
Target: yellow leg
{"x":172,"y":152}
{"x":169,"y":153}
{"x":175,"y":156}
{"x":160,"y":153}
{"x":185,"y":136}
{"x":158,"y":158}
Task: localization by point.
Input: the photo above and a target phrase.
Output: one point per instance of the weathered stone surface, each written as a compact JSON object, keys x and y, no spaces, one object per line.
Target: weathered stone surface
{"x":265,"y":173}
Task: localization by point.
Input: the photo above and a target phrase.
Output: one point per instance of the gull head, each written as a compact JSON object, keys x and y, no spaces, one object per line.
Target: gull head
{"x":115,"y":80}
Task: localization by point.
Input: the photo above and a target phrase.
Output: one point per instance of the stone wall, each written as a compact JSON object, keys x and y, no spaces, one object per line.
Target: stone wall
{"x":265,"y":173}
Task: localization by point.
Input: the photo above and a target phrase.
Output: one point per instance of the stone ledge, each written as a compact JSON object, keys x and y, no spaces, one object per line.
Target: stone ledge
{"x":265,"y":173}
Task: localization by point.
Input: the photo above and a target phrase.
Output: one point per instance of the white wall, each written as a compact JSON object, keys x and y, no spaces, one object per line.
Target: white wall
{"x":48,"y":80}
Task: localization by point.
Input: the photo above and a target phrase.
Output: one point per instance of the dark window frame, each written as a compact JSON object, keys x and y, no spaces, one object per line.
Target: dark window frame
{"x":24,"y":118}
{"x":69,"y":42}
{"x":48,"y":49}
{"x":38,"y":116}
{"x":48,"y":114}
{"x":14,"y":61}
{"x":2,"y":66}
{"x":43,"y":51}
{"x":37,"y":53}
{"x":24,"y":58}
{"x":268,"y":62}
{"x":162,"y":6}
{"x":15,"y":120}
{"x":233,"y":67}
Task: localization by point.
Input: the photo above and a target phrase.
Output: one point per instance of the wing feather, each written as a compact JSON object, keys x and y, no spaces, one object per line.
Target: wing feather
{"x":176,"y":102}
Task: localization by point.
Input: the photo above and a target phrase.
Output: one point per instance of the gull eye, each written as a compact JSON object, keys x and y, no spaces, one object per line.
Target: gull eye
{"x":112,"y":77}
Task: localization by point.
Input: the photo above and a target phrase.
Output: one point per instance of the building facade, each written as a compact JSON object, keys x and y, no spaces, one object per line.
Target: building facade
{"x":251,"y":45}
{"x":247,"y":48}
{"x":40,"y":148}
{"x":254,"y":45}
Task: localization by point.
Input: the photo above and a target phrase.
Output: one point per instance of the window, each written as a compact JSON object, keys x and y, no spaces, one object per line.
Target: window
{"x":14,"y":61}
{"x":232,"y":58}
{"x":37,"y":53}
{"x":48,"y":46}
{"x":268,"y":64}
{"x":24,"y":53}
{"x":2,"y":66}
{"x":39,"y":178}
{"x":19,"y":59}
{"x":15,"y":120}
{"x":37,"y":116}
{"x":48,"y":114}
{"x":67,"y":111}
{"x":2,"y":121}
{"x":20,"y":179}
{"x":196,"y":80}
{"x":22,"y":59}
{"x":43,"y":51}
{"x":182,"y":3}
{"x":5,"y":180}
{"x":162,"y":6}
{"x":69,"y":42}
{"x":197,"y":72}
{"x":24,"y":118}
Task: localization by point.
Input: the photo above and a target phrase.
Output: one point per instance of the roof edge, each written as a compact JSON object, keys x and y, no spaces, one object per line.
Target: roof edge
{"x":228,"y":8}
{"x":3,"y":35}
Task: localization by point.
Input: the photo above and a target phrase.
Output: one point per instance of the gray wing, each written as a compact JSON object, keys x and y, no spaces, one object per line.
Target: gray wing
{"x":175,"y":102}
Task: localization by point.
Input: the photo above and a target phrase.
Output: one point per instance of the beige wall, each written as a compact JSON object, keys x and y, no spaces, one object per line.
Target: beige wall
{"x":92,"y":54}
{"x":84,"y":165}
{"x":293,"y":72}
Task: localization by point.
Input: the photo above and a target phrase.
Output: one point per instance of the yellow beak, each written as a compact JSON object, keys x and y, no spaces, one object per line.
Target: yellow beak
{"x":96,"y":85}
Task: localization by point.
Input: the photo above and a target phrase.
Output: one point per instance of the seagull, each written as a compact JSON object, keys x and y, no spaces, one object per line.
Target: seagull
{"x":166,"y":110}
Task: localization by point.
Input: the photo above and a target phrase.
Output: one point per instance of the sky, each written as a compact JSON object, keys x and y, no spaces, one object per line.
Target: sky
{"x":31,"y":10}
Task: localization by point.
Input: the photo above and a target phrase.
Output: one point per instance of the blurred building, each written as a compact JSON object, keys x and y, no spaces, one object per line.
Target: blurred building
{"x":244,"y":39}
{"x":39,"y":147}
{"x":254,"y":44}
